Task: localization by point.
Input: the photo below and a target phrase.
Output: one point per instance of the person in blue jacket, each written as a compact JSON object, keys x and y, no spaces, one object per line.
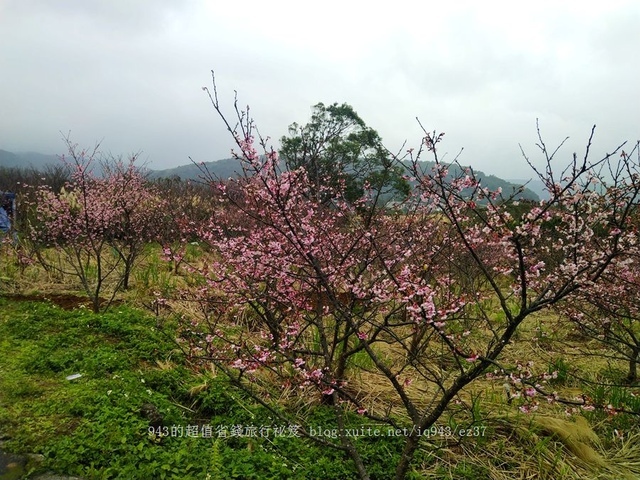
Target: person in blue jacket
{"x":5,"y":221}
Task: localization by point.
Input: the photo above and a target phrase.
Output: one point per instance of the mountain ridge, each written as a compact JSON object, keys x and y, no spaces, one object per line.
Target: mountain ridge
{"x":230,"y":167}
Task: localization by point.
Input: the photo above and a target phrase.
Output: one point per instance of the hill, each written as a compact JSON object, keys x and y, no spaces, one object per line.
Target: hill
{"x":26,"y":160}
{"x":230,"y":167}
{"x":534,"y":185}
{"x":490,"y":181}
{"x":226,"y":168}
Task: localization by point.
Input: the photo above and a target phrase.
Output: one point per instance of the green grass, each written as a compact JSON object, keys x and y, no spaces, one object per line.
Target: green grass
{"x":77,"y":423}
{"x":95,"y":427}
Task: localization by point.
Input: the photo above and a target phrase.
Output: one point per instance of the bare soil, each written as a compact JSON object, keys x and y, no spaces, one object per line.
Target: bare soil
{"x":63,"y":300}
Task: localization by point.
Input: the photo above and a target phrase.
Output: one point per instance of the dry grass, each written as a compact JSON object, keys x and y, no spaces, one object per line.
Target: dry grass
{"x":536,"y":447}
{"x":546,"y":445}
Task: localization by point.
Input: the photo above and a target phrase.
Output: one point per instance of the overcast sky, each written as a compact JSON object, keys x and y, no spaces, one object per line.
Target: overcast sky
{"x":129,"y":73}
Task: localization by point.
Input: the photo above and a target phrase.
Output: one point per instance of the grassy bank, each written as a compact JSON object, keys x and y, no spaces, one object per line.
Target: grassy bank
{"x":137,"y":411}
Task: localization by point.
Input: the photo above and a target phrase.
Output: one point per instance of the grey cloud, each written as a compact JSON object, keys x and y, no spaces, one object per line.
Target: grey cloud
{"x":131,"y":72}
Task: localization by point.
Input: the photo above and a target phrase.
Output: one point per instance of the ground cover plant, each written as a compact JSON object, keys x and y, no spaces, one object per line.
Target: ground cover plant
{"x":118,"y":419}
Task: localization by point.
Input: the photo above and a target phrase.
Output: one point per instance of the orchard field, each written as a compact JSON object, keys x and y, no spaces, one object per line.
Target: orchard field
{"x":336,"y":311}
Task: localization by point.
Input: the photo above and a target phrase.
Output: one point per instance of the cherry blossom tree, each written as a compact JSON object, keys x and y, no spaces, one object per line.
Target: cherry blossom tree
{"x":94,"y":228}
{"x":566,"y":245}
{"x":608,"y":311}
{"x":339,"y":296}
{"x":141,"y":212}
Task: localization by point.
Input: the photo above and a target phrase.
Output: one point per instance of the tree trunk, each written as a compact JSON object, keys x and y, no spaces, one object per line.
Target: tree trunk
{"x":632,"y":376}
{"x":408,"y":452}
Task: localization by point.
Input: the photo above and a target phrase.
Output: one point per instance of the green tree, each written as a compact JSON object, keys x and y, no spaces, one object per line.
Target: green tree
{"x":337,"y":146}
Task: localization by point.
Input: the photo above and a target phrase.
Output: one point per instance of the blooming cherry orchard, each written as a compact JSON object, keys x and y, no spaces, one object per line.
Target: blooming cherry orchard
{"x":390,"y":312}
